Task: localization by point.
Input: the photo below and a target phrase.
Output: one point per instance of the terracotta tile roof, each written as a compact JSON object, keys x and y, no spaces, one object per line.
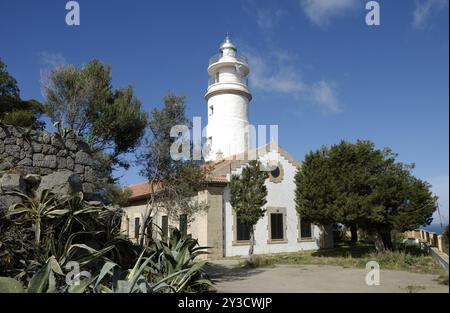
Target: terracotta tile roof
{"x":142,"y":190}
{"x":139,"y":191}
{"x":217,"y":179}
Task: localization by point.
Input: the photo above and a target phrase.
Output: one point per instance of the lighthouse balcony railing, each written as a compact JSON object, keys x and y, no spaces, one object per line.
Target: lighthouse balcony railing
{"x":213,"y":80}
{"x":239,"y":57}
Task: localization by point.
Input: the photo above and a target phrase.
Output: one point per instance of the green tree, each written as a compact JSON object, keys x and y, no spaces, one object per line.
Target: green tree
{"x":111,"y":121}
{"x":399,"y":202}
{"x":83,"y":101}
{"x":14,"y":110}
{"x":173,"y":184}
{"x":248,"y":194}
{"x":356,"y":184}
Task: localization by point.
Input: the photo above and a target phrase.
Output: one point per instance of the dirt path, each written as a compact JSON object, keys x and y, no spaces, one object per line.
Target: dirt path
{"x":315,"y":278}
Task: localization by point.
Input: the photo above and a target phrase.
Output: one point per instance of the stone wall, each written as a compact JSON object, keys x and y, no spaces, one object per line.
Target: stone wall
{"x":32,"y":159}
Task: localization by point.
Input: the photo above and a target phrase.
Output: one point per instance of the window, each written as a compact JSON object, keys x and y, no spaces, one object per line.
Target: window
{"x":211,"y":110}
{"x":276,"y":220}
{"x":276,"y":172}
{"x":137,"y":226}
{"x":276,"y":226}
{"x":165,"y":226}
{"x":183,"y":224}
{"x":305,"y":229}
{"x":217,"y":77}
{"x":242,"y":230}
{"x":276,"y":175}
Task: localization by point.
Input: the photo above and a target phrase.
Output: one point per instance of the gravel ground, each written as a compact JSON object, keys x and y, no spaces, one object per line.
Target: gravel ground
{"x":315,"y":278}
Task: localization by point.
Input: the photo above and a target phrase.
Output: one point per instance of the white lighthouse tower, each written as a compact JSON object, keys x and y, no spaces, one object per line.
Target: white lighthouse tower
{"x":228,"y":97}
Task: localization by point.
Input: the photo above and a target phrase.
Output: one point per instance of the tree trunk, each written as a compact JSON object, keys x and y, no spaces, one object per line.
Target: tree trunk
{"x":252,"y":245}
{"x":379,"y":246}
{"x":387,"y":239}
{"x":354,"y":233}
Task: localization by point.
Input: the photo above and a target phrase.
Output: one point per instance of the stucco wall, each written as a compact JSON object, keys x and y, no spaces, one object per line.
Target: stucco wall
{"x":198,"y":227}
{"x":279,"y":195}
{"x":228,"y":124}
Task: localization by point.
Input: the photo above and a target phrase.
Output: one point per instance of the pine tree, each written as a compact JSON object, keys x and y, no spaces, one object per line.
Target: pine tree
{"x":356,"y":184}
{"x":248,"y":196}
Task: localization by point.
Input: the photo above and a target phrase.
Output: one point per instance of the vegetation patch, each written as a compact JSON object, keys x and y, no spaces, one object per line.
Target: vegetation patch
{"x":356,"y":256}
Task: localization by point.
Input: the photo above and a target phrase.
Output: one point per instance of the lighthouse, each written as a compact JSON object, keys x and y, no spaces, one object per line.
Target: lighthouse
{"x":227,"y":97}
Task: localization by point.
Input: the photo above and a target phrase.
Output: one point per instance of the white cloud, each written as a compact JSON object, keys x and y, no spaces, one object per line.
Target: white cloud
{"x":51,"y":60}
{"x":48,"y":61}
{"x":276,"y":73}
{"x":439,"y":186}
{"x":321,"y":12}
{"x":266,"y":18}
{"x":424,"y":9}
{"x":323,"y":93}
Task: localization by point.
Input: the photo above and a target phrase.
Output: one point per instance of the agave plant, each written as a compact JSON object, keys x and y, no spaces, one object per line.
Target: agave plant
{"x":177,"y":254}
{"x":45,"y":206}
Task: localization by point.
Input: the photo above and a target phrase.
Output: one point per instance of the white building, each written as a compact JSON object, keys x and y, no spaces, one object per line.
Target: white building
{"x":281,"y":229}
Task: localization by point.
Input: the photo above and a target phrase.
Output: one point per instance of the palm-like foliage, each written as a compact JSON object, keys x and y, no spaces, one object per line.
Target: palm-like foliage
{"x":36,"y":210}
{"x":43,"y":234}
{"x":177,"y":254}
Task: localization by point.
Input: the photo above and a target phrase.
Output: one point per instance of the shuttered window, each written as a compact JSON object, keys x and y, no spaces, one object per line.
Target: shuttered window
{"x":305,"y":229}
{"x":242,"y":230}
{"x":276,"y":226}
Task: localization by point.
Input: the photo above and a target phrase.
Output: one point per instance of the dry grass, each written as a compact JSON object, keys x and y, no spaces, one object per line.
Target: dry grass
{"x":355,"y":255}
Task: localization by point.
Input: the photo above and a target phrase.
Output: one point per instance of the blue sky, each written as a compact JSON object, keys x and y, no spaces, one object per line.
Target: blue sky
{"x":317,"y":70}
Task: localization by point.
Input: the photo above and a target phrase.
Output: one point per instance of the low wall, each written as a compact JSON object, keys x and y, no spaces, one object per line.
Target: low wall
{"x":24,"y":152}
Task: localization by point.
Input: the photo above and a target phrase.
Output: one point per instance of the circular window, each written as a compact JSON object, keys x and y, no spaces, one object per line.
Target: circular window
{"x":276,"y":175}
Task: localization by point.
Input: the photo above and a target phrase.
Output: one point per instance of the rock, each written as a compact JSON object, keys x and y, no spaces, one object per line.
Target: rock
{"x":2,"y":133}
{"x":71,"y":145}
{"x":19,"y":141}
{"x":83,"y":158}
{"x":38,"y":160}
{"x":26,"y":162}
{"x":32,"y":179}
{"x":13,"y":150}
{"x":62,"y":163}
{"x":50,"y":161}
{"x":79,"y":169}
{"x":10,"y":141}
{"x":44,"y":171}
{"x":27,"y":147}
{"x":89,"y":175}
{"x":46,"y":138}
{"x":12,"y":182}
{"x":62,"y":153}
{"x":16,"y":132}
{"x":6,"y":164}
{"x":7,"y":200}
{"x":60,"y":183}
{"x":37,"y":147}
{"x":70,"y":164}
{"x":57,"y":142}
{"x":48,"y":149}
